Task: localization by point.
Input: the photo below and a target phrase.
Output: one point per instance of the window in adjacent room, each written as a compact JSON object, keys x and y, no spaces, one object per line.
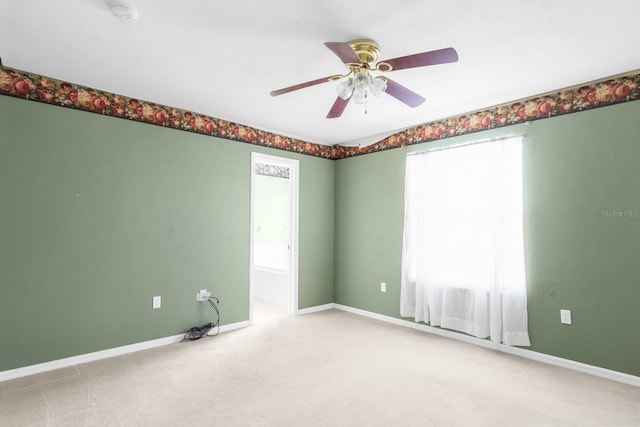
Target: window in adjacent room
{"x":463,"y":256}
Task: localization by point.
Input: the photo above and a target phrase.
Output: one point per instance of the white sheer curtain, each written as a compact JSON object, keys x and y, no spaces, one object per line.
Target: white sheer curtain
{"x":463,"y":255}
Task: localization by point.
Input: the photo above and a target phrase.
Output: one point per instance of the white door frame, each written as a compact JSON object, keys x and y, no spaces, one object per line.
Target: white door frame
{"x":293,"y":166}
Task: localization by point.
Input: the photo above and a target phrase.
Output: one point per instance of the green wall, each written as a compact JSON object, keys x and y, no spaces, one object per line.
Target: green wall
{"x":580,"y":171}
{"x":99,"y":214}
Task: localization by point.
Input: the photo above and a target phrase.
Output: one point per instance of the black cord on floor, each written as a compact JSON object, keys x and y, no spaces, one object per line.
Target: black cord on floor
{"x":198,"y":332}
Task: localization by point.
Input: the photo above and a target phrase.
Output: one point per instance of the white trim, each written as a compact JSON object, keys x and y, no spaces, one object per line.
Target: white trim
{"x":294,"y":241}
{"x":233,"y":326}
{"x":251,"y":236}
{"x":293,"y":165}
{"x":102,"y":354}
{"x":317,"y":308}
{"x":533,"y":355}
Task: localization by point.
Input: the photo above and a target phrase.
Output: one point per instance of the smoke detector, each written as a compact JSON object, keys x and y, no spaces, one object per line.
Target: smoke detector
{"x":124,"y":12}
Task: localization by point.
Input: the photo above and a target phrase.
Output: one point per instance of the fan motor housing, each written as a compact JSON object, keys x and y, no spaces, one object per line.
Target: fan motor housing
{"x":367,"y":50}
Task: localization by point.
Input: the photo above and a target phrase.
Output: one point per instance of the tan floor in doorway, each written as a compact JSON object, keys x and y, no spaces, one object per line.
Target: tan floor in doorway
{"x":266,"y":311}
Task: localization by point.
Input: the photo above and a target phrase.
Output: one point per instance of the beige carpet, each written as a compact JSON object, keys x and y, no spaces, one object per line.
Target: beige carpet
{"x":324,"y":369}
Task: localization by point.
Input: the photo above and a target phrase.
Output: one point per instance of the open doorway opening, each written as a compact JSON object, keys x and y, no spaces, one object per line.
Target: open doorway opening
{"x":274,"y":238}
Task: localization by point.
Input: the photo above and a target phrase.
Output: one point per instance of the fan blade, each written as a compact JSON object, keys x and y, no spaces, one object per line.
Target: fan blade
{"x":344,"y":52}
{"x":403,"y":94}
{"x":434,"y":57}
{"x":338,"y":108}
{"x":301,"y":86}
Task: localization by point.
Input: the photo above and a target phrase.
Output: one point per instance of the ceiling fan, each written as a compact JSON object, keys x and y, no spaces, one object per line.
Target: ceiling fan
{"x":361,"y":58}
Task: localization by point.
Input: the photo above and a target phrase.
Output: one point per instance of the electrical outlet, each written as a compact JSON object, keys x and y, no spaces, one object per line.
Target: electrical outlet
{"x":156,"y":303}
{"x":203,"y":295}
{"x":383,"y":286}
{"x":565,"y":317}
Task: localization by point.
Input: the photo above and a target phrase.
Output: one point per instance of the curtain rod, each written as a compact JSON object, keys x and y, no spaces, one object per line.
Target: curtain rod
{"x":464,"y":144}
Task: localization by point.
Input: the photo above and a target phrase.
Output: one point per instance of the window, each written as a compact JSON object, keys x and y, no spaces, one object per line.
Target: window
{"x":463,"y":252}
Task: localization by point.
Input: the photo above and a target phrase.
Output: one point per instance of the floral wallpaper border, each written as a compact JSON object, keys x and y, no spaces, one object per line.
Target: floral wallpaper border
{"x":38,"y":88}
{"x":598,"y":94}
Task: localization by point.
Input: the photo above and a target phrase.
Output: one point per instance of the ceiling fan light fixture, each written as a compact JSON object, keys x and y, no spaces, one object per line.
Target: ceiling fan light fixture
{"x":360,"y":87}
{"x":361,"y":59}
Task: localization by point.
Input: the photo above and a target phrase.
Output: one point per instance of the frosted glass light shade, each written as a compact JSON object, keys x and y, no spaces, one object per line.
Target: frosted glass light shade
{"x":345,"y":88}
{"x":378,"y":85}
{"x":361,"y":80}
{"x":360,"y":95}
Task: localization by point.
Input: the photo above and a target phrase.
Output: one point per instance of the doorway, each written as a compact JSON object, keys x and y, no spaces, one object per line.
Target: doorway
{"x":273,"y":270}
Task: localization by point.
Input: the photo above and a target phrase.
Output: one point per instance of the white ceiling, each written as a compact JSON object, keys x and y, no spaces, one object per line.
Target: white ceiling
{"x":222,"y":58}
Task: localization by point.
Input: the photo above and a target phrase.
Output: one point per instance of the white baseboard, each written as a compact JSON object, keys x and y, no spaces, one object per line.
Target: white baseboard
{"x":234,"y":326}
{"x":540,"y":357}
{"x":103,"y":354}
{"x":316,"y":308}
